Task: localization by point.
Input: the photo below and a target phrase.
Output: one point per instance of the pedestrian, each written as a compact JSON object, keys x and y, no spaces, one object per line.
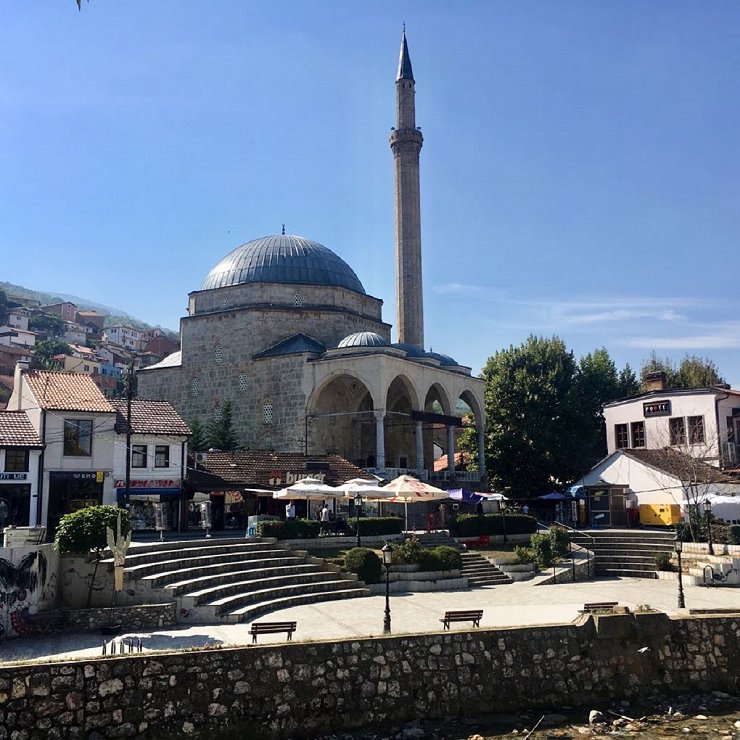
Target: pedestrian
{"x":525,"y":509}
{"x":479,"y":508}
{"x":290,"y":511}
{"x":324,"y":519}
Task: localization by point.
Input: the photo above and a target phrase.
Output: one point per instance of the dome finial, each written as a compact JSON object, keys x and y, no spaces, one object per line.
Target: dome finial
{"x":283,"y":230}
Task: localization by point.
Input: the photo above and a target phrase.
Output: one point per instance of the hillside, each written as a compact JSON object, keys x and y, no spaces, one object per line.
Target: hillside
{"x":112,"y":315}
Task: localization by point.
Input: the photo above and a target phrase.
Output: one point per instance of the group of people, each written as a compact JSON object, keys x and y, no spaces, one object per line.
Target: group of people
{"x":323,"y":514}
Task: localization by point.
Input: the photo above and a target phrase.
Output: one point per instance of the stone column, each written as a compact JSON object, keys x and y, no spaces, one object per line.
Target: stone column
{"x":379,"y":439}
{"x":419,"y":447}
{"x":482,"y":452}
{"x":451,"y":450}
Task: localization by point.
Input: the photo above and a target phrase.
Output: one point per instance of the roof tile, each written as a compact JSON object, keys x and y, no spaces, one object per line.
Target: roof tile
{"x":66,"y":391}
{"x":16,"y":430}
{"x":149,"y":417}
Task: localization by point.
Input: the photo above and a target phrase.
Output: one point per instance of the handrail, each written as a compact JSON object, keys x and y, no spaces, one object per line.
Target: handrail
{"x":576,"y":531}
{"x":711,"y":575}
{"x":572,"y":529}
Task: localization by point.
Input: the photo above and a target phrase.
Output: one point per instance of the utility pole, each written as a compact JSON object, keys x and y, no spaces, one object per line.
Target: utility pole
{"x":129,"y":396}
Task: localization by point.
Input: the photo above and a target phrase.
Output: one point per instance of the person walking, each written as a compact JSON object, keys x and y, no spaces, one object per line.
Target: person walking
{"x":290,"y":511}
{"x":324,"y":519}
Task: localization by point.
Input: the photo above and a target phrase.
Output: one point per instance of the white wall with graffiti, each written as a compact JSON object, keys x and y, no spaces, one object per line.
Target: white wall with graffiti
{"x":29,"y":583}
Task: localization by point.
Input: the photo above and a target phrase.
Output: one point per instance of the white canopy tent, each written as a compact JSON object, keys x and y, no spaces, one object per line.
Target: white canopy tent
{"x":409,"y":490}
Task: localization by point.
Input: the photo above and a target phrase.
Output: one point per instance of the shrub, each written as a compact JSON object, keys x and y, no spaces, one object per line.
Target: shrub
{"x":662,"y":561}
{"x":448,"y":558}
{"x":559,"y":542}
{"x":475,"y":525}
{"x":733,"y":534}
{"x":542,"y":548}
{"x":376,"y":525}
{"x":409,"y":551}
{"x":293,"y":529}
{"x":365,"y":563}
{"x":524,"y":555}
{"x":430,"y":560}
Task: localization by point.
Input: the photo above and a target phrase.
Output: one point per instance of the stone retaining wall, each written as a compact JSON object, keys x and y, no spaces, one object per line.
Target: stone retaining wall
{"x":307,"y":689}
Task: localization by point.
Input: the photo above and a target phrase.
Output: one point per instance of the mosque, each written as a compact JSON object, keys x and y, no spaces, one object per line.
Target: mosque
{"x":283,"y":330}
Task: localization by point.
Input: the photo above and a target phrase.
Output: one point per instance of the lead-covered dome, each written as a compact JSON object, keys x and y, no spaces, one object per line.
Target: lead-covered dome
{"x":283,"y":259}
{"x":364,"y":339}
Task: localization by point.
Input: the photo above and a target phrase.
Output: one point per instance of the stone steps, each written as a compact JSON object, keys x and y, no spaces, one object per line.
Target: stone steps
{"x":229,"y":580}
{"x":481,"y":572}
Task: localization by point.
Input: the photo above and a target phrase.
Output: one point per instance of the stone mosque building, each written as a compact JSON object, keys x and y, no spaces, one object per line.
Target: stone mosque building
{"x":283,"y":330}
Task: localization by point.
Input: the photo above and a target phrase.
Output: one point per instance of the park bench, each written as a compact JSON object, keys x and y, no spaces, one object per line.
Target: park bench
{"x":470,"y":615}
{"x":598,"y":606}
{"x":271,"y":628}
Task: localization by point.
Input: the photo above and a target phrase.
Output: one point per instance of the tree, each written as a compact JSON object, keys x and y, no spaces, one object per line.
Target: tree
{"x":48,"y":349}
{"x":220,"y":431}
{"x":198,"y":441}
{"x":47,"y":324}
{"x":692,"y":371}
{"x":85,"y":530}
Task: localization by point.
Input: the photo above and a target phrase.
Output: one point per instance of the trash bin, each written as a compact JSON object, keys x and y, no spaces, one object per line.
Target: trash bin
{"x":251,"y":531}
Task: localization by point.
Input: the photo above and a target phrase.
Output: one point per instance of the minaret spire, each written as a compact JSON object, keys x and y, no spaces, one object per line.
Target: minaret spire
{"x":406,"y":142}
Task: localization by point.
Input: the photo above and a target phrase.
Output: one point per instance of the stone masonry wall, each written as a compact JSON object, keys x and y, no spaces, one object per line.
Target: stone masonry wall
{"x":306,"y":689}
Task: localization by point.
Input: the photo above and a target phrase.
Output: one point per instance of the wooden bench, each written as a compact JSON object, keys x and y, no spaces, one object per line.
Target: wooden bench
{"x":270,"y":628}
{"x":471,"y":615}
{"x":598,"y":606}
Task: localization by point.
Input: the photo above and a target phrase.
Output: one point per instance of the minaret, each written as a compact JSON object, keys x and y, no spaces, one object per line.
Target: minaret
{"x":406,"y":141}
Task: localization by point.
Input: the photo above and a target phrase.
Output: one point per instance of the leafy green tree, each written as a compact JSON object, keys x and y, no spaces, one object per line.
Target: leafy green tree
{"x":48,"y":349}
{"x":47,"y":324}
{"x":84,"y":531}
{"x":198,"y":441}
{"x":691,"y":372}
{"x":220,"y":431}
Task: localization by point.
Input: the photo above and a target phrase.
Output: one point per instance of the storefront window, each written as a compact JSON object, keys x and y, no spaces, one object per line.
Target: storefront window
{"x":16,"y":461}
{"x":78,"y":437}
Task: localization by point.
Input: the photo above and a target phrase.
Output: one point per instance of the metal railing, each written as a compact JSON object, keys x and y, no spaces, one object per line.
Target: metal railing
{"x":579,"y":532}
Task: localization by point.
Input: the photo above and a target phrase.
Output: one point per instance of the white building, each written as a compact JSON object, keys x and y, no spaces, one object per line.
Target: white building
{"x":123,"y":336}
{"x":701,"y":422}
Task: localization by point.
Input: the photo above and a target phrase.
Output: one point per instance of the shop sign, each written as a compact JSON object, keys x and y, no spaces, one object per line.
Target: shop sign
{"x":288,"y":478}
{"x":153,"y":483}
{"x":64,"y":475}
{"x":13,"y":476}
{"x":656,"y":408}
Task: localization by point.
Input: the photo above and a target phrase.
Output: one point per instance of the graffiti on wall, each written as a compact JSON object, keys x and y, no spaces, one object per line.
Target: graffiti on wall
{"x":18,"y":584}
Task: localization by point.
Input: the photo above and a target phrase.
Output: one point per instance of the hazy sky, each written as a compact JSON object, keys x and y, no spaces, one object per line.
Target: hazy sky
{"x":580,"y":167}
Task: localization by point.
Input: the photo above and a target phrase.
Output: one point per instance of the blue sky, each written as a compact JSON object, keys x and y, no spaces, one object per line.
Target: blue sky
{"x":580,"y":166}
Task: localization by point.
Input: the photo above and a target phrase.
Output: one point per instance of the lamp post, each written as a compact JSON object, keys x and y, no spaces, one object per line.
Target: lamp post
{"x":678,"y":547}
{"x":358,"y":506}
{"x":708,"y":514}
{"x":387,"y":551}
{"x":503,"y":520}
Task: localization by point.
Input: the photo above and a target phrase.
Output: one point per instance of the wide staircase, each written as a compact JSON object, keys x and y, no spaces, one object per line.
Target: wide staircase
{"x":625,"y":553}
{"x":475,"y":567}
{"x":230,"y":580}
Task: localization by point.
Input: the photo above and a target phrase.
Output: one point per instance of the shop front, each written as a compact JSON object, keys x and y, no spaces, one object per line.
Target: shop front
{"x":71,"y":490}
{"x":147,"y":497}
{"x":15,"y":499}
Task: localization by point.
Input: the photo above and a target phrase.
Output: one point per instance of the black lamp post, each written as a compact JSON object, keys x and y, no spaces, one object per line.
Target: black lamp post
{"x":503,"y":520}
{"x":358,"y":506}
{"x":678,"y":547}
{"x":387,"y":551}
{"x":708,"y":514}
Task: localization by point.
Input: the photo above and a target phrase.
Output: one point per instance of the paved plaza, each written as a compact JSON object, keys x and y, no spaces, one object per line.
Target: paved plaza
{"x":514,"y":605}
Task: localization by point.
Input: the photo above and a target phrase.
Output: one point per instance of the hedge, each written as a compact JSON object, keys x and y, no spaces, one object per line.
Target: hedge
{"x":365,"y":563}
{"x":733,"y":534}
{"x":293,"y":529}
{"x":376,"y":525}
{"x":475,"y":525}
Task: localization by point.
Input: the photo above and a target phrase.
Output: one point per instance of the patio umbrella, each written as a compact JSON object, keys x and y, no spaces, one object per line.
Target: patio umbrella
{"x":407,"y":489}
{"x":308,"y":488}
{"x":554,"y":496}
{"x":368,"y":489}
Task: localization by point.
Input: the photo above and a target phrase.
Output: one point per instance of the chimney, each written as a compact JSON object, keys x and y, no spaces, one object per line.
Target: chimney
{"x":655,"y":381}
{"x":17,"y":393}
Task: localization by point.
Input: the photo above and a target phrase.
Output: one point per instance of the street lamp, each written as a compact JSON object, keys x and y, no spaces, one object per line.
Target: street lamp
{"x":387,"y":551}
{"x":678,"y":547}
{"x":358,"y":506}
{"x":708,"y":514}
{"x":503,"y":520}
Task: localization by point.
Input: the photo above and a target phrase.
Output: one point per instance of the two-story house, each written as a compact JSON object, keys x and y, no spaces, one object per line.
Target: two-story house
{"x":20,"y":452}
{"x":76,"y":425}
{"x":158,"y":437}
{"x":65,"y":309}
{"x":123,"y":336}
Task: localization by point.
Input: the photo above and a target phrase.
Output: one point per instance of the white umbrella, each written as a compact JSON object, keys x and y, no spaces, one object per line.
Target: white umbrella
{"x":308,"y":488}
{"x":407,"y":489}
{"x":368,"y":489}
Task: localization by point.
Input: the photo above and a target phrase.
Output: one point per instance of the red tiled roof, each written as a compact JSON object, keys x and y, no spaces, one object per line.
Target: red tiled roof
{"x":16,"y":430}
{"x":440,"y":464}
{"x":255,"y":467}
{"x":680,"y":465}
{"x":66,"y":391}
{"x":149,"y":417}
